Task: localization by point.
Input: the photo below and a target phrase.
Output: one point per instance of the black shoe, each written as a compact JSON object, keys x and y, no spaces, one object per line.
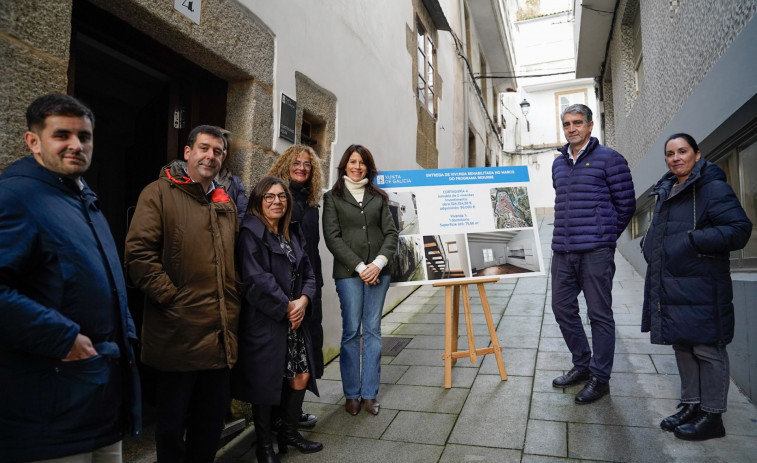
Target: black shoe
{"x":704,"y":426}
{"x":265,"y":454}
{"x":307,"y":420}
{"x":571,"y":378}
{"x":288,"y":435}
{"x":686,"y":413}
{"x":593,"y":391}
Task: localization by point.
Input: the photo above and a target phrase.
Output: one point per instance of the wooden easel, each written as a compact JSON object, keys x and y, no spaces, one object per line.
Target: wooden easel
{"x":451,"y":319}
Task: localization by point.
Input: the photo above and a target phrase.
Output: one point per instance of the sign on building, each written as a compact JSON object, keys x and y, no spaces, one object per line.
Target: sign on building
{"x":287,"y":119}
{"x":189,"y":8}
{"x":462,"y":223}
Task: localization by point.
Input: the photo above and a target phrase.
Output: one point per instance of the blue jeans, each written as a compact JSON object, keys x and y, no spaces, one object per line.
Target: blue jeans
{"x":361,"y":305}
{"x":591,"y":272}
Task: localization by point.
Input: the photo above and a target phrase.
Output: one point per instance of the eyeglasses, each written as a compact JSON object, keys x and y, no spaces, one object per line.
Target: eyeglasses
{"x":270,"y":197}
{"x":304,"y":165}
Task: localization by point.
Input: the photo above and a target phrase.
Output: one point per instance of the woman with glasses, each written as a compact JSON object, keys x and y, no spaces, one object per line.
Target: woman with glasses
{"x":300,"y":167}
{"x":360,"y":233}
{"x":275,"y":356}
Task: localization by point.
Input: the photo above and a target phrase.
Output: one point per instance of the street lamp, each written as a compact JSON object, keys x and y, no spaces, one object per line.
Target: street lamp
{"x":525,"y":106}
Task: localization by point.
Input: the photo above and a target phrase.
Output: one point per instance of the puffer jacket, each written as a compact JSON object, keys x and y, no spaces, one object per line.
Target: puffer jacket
{"x":687,"y":291}
{"x":180,"y":253}
{"x":60,"y":276}
{"x":594,"y":198}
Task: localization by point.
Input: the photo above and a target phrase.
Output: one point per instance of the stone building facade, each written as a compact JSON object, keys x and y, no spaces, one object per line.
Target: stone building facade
{"x":354,"y":70}
{"x":663,"y":67}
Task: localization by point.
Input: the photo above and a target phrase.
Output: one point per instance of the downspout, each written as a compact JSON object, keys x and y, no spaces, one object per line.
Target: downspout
{"x":466,"y":148}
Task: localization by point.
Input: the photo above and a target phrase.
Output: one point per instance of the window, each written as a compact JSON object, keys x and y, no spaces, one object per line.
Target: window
{"x":562,"y":101}
{"x":739,"y":164}
{"x":642,"y":218}
{"x":638,"y":56}
{"x":488,"y":255}
{"x":426,"y":52}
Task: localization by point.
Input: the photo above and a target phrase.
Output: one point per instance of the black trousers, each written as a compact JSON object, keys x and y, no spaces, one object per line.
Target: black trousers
{"x":194,"y":402}
{"x":591,"y":272}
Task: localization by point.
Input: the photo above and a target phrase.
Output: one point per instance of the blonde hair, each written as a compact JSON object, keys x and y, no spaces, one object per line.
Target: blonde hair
{"x":283,"y":163}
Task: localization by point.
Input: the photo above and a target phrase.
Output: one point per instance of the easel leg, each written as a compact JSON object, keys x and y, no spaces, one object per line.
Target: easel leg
{"x":469,"y":324}
{"x":448,"y":328}
{"x":455,"y":318}
{"x":492,"y":333}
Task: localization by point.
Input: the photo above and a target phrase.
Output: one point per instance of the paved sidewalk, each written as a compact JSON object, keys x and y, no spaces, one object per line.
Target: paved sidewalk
{"x":523,"y":419}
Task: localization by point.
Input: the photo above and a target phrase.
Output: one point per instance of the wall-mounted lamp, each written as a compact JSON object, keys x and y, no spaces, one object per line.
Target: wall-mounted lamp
{"x":525,"y":106}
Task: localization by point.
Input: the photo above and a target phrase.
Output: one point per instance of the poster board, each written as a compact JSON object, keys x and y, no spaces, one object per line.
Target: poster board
{"x":462,"y":224}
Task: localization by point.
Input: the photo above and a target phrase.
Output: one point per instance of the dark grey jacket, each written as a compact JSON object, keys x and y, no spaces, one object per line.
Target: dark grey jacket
{"x":355,"y":233}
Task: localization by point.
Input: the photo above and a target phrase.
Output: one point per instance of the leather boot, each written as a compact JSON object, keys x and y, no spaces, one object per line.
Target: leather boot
{"x":261,"y":418}
{"x":291,"y":406}
{"x":686,"y":413}
{"x":705,"y":425}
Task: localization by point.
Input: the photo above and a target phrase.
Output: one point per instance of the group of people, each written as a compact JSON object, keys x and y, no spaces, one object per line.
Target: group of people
{"x":233,"y":288}
{"x":697,"y":222}
{"x":232,"y":291}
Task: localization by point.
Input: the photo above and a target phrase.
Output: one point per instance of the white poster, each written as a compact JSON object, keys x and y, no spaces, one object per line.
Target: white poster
{"x":462,"y":223}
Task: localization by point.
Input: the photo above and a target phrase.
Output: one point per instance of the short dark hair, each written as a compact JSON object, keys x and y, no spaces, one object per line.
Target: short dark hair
{"x":255,"y":206}
{"x":581,"y":109}
{"x":689,"y":139}
{"x":211,"y":130}
{"x":55,"y":104}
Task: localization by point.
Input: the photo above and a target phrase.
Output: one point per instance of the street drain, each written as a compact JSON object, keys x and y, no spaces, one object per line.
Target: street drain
{"x":393,"y":346}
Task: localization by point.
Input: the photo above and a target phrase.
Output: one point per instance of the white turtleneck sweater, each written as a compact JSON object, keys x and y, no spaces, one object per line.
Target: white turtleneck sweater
{"x":357,"y":189}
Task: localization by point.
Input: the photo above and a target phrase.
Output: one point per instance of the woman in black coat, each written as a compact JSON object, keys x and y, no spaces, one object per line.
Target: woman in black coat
{"x":275,"y":355}
{"x":688,"y":295}
{"x":300,"y":168}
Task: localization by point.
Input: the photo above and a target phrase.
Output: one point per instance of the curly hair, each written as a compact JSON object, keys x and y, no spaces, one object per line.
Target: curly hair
{"x":283,"y":163}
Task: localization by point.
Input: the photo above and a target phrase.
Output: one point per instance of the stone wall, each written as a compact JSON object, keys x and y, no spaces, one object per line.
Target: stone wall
{"x":34,"y":50}
{"x":230,"y":42}
{"x":680,"y":46}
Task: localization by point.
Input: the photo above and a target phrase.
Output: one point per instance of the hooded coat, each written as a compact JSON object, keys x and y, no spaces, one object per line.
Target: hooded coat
{"x":60,"y":276}
{"x":687,"y":290}
{"x":180,"y":253}
{"x":266,"y":280}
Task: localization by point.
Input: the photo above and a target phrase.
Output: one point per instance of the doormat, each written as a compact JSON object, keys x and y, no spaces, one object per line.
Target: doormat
{"x":393,"y":346}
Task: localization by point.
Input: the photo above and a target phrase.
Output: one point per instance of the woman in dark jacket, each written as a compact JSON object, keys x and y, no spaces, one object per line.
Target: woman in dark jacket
{"x":697,"y":222}
{"x":275,"y":355}
{"x":360,"y":233}
{"x":300,"y":167}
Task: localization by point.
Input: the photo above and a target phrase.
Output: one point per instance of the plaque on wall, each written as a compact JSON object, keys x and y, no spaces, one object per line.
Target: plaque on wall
{"x":288,"y":116}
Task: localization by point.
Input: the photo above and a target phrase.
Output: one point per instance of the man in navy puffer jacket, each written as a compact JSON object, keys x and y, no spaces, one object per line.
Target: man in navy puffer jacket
{"x":68,"y":382}
{"x":594,"y":201}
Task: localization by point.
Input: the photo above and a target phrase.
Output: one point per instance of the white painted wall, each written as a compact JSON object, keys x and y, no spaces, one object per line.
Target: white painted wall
{"x":544,"y":45}
{"x":358,"y":50}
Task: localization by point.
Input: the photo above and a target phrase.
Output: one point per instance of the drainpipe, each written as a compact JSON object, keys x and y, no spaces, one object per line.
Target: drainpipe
{"x":465,"y":90}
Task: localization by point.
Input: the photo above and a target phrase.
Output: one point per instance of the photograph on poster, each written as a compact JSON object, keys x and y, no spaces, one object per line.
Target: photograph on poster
{"x":446,"y":257}
{"x":511,"y":207}
{"x":404,"y":211}
{"x":407,"y":264}
{"x":502,"y":252}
